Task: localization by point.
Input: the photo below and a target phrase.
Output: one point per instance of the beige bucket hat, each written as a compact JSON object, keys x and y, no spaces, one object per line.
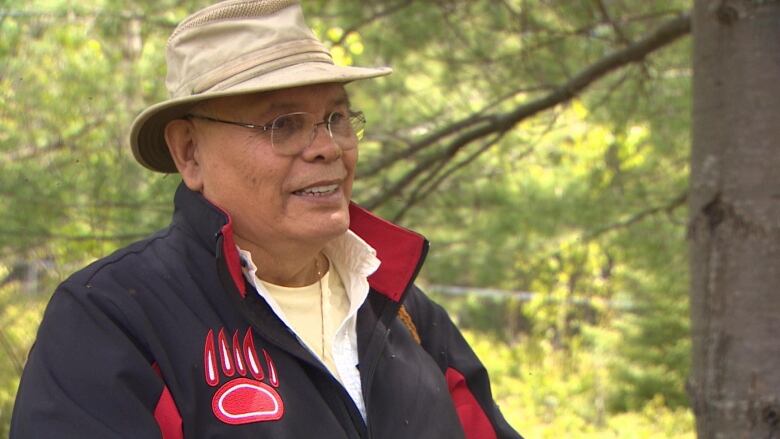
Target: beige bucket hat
{"x":235,"y":47}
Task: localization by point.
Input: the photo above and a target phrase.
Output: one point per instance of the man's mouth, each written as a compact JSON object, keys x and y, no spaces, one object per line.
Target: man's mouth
{"x":317,"y":191}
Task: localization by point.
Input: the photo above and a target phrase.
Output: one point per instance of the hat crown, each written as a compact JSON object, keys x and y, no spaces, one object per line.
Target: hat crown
{"x":231,"y":9}
{"x":236,"y":40}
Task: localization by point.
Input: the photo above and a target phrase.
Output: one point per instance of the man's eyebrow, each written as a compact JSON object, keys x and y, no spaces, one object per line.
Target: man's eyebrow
{"x":341,"y":99}
{"x":281,"y":106}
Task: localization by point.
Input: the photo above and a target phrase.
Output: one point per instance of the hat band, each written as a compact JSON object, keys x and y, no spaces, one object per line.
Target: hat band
{"x":260,"y":62}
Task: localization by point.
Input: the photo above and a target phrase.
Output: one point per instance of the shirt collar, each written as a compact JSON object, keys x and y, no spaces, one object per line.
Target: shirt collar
{"x":351,"y":254}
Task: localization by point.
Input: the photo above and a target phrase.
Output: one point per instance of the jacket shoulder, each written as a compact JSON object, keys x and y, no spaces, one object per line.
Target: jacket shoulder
{"x":121,"y":260}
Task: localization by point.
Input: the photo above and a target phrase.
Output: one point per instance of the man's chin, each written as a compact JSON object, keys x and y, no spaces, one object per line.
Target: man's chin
{"x":326,"y":227}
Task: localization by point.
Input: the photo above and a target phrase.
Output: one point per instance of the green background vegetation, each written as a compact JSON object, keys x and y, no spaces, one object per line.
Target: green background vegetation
{"x":579,"y":209}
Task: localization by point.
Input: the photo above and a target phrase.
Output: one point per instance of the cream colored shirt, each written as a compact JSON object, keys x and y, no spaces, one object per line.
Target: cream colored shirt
{"x":316,"y":312}
{"x":353,"y":260}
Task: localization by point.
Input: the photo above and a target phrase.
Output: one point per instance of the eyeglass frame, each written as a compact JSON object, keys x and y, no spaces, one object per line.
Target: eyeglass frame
{"x":351,"y":115}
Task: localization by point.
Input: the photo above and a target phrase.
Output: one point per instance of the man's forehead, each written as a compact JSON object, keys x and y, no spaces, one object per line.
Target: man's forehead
{"x":286,"y":99}
{"x":288,"y":102}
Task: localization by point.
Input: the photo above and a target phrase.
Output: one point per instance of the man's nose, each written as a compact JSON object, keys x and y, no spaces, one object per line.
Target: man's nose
{"x":322,"y":145}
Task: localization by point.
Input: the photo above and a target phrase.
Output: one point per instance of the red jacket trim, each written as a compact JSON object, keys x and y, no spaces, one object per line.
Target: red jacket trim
{"x":231,"y":256}
{"x":166,"y":414}
{"x":230,"y":252}
{"x":475,"y":422}
{"x":400,"y":250}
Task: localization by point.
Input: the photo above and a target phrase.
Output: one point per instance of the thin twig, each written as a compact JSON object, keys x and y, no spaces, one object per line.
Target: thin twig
{"x":57,"y":144}
{"x":668,"y":207}
{"x":383,"y":13}
{"x":615,"y":26}
{"x":75,"y":238}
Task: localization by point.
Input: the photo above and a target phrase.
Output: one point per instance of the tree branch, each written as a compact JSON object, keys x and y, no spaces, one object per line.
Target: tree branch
{"x":477,"y":127}
{"x":637,"y":217}
{"x":55,"y":145}
{"x":424,"y":188}
{"x":422,"y":192}
{"x":390,"y":10}
{"x":430,"y":139}
{"x":74,"y":238}
{"x":664,"y":35}
{"x":447,"y":153}
{"x":587,"y":236}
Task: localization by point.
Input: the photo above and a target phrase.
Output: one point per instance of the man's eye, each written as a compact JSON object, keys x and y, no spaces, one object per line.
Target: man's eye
{"x":337,"y":118}
{"x":281,"y":122}
{"x":288,"y":122}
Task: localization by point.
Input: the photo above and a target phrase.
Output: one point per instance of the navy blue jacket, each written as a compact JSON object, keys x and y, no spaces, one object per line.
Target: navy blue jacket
{"x":166,"y":339}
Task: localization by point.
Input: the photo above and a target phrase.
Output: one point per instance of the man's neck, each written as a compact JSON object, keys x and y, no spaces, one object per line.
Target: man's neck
{"x":288,"y":266}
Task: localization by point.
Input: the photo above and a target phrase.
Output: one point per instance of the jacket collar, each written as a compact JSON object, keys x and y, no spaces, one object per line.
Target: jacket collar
{"x":401,"y":251}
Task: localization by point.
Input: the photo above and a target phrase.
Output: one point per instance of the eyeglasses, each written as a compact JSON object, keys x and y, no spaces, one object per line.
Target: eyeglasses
{"x":294,"y":132}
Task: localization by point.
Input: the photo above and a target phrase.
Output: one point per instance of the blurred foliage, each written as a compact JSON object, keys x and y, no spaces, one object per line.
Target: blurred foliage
{"x":582,"y":205}
{"x":546,"y":393}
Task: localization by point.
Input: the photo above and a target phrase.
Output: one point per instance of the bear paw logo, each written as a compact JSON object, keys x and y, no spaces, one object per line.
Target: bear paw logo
{"x":244,"y":398}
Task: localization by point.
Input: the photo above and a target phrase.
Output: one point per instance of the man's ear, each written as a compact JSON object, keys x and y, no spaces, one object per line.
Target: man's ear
{"x":183,"y":147}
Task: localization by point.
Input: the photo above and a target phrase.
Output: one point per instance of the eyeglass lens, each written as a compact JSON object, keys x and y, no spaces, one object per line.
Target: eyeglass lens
{"x":292,"y":133}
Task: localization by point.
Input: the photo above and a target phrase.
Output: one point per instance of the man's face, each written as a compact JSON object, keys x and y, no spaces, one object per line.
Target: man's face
{"x":267,"y":194}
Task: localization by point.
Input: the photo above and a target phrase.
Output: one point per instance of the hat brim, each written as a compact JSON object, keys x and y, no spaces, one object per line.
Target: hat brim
{"x":147,"y":133}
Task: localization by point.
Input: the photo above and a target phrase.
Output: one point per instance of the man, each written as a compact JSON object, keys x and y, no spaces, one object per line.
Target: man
{"x":271,"y":307}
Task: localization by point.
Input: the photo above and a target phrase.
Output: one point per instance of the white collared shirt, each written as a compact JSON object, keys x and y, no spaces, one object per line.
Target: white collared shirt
{"x":354,"y":261}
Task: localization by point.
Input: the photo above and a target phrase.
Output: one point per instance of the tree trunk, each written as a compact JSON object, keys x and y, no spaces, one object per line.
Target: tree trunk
{"x":735,"y":219}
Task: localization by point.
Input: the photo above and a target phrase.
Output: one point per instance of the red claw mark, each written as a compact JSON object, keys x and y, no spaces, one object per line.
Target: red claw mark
{"x":237,"y":354}
{"x":272,"y":378}
{"x":210,"y":360}
{"x":225,"y":354}
{"x":253,"y":361}
{"x":241,"y":400}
